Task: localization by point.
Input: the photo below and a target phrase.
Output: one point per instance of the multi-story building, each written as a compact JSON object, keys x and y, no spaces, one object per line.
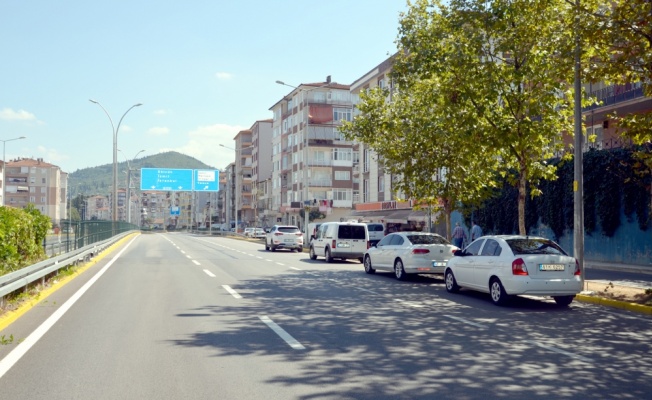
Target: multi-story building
{"x":312,"y":163}
{"x":612,"y":99}
{"x":98,"y":207}
{"x":243,"y":180}
{"x":261,"y":167}
{"x":37,"y":182}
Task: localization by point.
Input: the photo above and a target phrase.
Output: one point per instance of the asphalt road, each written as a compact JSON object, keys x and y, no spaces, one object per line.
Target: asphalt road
{"x":174,"y":316}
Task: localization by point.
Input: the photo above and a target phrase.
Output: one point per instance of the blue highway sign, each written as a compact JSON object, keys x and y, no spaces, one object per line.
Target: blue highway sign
{"x":166,"y":179}
{"x":206,"y":180}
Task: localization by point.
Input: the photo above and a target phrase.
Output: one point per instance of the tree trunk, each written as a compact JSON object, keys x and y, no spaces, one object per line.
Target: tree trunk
{"x":447,"y":217}
{"x":521,"y":199}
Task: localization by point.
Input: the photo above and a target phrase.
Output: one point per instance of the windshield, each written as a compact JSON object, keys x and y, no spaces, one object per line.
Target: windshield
{"x":534,"y":246}
{"x":427,"y":239}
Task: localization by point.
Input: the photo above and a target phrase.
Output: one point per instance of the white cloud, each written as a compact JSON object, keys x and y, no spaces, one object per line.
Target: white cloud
{"x":204,"y":144}
{"x":20,"y":115}
{"x":223,"y":75}
{"x":52,"y":156}
{"x":125,"y":129}
{"x":160,"y":112}
{"x":158,"y":131}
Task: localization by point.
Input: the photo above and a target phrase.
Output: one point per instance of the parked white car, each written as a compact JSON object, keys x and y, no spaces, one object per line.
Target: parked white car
{"x":249,"y":232}
{"x":376,"y":232}
{"x":284,"y":237}
{"x":508,"y":265}
{"x":409,"y":253}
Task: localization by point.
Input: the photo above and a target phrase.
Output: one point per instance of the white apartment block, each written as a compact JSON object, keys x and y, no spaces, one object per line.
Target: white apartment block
{"x":312,"y":163}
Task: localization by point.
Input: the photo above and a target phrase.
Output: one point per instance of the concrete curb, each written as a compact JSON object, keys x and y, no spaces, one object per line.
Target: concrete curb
{"x":639,"y":308}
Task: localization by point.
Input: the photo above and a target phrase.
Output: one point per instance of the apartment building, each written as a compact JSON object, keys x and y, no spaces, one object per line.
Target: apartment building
{"x":312,"y":163}
{"x":98,"y":207}
{"x":37,"y":182}
{"x":619,"y":99}
{"x":379,"y":201}
{"x":243,"y":183}
{"x":261,"y":167}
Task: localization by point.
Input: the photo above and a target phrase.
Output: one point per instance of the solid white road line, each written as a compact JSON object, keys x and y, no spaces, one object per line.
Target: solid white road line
{"x":196,"y":262}
{"x":282,"y":333}
{"x":233,"y":292}
{"x":296,"y":269}
{"x":560,"y":351}
{"x":464,"y":321}
{"x":24,"y":346}
{"x":209,"y":273}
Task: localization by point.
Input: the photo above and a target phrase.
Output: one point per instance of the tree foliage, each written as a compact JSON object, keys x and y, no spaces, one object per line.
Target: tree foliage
{"x":21,"y":234}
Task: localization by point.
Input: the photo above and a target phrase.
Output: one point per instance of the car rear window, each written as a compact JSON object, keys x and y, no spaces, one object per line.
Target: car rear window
{"x":375,"y":227}
{"x":427,"y":239}
{"x":288,"y":229}
{"x":352,"y":232}
{"x":534,"y":246}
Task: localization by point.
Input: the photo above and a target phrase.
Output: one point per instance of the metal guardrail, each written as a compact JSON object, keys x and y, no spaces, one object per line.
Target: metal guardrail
{"x":16,"y":280}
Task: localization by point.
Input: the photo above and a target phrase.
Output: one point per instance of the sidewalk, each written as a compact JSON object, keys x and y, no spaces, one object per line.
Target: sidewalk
{"x":644,"y":269}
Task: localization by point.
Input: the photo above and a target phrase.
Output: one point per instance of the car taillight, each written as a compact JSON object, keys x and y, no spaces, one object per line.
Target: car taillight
{"x":368,"y":245}
{"x":420,"y":251}
{"x":334,"y":244}
{"x":454,"y":249}
{"x":278,"y":234}
{"x":577,"y":268}
{"x":518,"y":267}
{"x":299,"y":234}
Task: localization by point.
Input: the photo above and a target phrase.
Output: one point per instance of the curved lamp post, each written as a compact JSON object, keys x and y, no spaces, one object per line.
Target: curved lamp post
{"x":4,"y":166}
{"x":114,"y":208}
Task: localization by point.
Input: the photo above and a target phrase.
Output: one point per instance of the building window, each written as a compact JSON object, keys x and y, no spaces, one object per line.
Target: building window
{"x":342,"y":154}
{"x":381,"y":184}
{"x":341,"y":194}
{"x":42,"y":199}
{"x":32,"y":179}
{"x":43,"y":189}
{"x":342,"y":175}
{"x":341,"y":114}
{"x":32,"y":189}
{"x":42,"y":180}
{"x":32,"y":199}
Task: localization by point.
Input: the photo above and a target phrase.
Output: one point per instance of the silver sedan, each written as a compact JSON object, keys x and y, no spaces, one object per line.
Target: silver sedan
{"x":409,"y":253}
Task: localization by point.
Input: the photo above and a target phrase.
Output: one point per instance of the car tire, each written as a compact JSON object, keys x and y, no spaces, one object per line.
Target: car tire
{"x":271,"y":246}
{"x":367,"y":265}
{"x":266,"y":246}
{"x":563,"y":301}
{"x":451,"y":282}
{"x":313,"y":256}
{"x":399,"y":271}
{"x":497,"y":292}
{"x":329,"y":259}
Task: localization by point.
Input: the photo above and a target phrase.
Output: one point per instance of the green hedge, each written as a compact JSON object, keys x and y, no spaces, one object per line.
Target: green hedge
{"x":614,"y":182}
{"x":22,"y":232}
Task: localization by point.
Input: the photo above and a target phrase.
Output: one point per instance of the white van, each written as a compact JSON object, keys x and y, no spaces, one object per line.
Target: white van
{"x":376,"y":232}
{"x":343,"y":240}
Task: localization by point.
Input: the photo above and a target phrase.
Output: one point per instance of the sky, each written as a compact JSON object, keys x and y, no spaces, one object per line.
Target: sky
{"x":203,"y":70}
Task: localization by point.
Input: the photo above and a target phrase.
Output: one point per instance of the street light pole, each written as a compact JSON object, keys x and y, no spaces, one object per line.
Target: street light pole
{"x":4,"y":166}
{"x":114,"y":208}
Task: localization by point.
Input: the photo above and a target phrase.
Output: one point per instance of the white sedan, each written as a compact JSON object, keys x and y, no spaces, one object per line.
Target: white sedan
{"x":409,"y":253}
{"x":507,"y":265}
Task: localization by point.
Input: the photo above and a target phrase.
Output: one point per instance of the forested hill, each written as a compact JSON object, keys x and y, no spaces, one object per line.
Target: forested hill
{"x":98,"y":180}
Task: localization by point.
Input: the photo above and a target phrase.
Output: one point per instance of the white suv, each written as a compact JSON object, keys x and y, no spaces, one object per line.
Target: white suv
{"x":284,"y":237}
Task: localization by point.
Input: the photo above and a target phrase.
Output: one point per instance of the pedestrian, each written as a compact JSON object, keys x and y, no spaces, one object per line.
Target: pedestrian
{"x":458,"y":235}
{"x":476,"y":231}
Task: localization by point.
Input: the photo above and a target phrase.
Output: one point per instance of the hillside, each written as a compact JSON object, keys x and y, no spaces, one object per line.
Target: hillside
{"x":98,"y":180}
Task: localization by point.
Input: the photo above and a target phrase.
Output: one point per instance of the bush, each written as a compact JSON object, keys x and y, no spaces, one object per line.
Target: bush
{"x":21,"y":234}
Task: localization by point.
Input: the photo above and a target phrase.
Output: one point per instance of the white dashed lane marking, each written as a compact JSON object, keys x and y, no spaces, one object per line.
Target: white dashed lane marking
{"x":209,"y":273}
{"x":233,"y":292}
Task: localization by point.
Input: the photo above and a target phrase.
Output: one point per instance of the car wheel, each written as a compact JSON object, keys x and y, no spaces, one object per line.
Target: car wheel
{"x":498,"y":294}
{"x":266,"y":246}
{"x":563,"y":301}
{"x":313,"y":256}
{"x":271,"y":246}
{"x":451,"y":283}
{"x":367,"y":265}
{"x":329,"y":259}
{"x":399,"y":272}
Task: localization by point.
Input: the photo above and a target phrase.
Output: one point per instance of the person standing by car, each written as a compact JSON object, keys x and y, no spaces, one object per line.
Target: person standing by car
{"x":458,"y":235}
{"x":476,"y":231}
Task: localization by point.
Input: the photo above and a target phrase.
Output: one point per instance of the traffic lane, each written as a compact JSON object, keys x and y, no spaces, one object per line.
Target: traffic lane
{"x":364,"y":329}
{"x":119,"y":341}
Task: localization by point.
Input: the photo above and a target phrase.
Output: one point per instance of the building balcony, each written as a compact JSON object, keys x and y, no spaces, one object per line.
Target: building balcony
{"x":320,"y":182}
{"x":614,"y":94}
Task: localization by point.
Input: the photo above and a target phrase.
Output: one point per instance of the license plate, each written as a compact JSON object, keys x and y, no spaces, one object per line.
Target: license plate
{"x":289,"y":240}
{"x":552,"y":267}
{"x":343,"y":245}
{"x":439,"y":263}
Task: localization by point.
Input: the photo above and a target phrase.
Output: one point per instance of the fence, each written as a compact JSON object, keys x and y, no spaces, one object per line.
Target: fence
{"x":74,"y":235}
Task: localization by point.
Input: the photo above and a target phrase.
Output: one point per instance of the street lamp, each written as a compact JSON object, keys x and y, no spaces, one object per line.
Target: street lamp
{"x":4,"y":166}
{"x":115,"y":130}
{"x":128,"y":202}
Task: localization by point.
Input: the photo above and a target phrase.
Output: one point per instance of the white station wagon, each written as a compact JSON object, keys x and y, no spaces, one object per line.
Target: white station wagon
{"x":507,"y":265}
